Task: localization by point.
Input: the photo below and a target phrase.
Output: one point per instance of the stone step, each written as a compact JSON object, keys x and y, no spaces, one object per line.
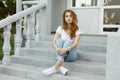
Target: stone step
{"x":92,"y":47}
{"x":93,"y":39}
{"x":82,"y":55}
{"x":35,"y":73}
{"x":46,"y":43}
{"x":81,"y":46}
{"x":77,"y":66}
{"x":92,"y":56}
{"x":84,"y":38}
{"x":9,"y":77}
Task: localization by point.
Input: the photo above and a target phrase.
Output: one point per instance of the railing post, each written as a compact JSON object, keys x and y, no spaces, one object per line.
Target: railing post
{"x":37,"y":36}
{"x":6,"y":46}
{"x":43,"y":27}
{"x":18,"y":37}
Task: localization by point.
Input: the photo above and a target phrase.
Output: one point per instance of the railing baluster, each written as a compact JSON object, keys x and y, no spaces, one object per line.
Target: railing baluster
{"x":6,"y":46}
{"x":28,"y":33}
{"x":37,"y":36}
{"x":18,"y":37}
{"x":43,"y":28}
{"x":25,"y":22}
{"x":32,"y":19}
{"x":33,"y":26}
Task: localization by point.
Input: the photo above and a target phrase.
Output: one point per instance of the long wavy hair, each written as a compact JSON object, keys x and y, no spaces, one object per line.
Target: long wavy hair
{"x":74,"y":26}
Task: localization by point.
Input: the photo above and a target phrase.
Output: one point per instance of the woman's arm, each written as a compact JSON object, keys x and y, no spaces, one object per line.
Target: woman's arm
{"x":59,"y":50}
{"x":75,"y":43}
{"x":63,"y":51}
{"x":54,"y":40}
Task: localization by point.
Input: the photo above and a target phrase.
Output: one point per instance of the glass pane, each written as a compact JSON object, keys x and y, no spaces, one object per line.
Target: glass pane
{"x":112,"y":2}
{"x":112,"y":16}
{"x":83,"y":3}
{"x":93,"y":2}
{"x":110,"y":29}
{"x":73,"y":3}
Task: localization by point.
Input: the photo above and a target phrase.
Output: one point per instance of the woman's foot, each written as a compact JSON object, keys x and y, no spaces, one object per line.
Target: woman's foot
{"x":49,"y":71}
{"x":63,"y":70}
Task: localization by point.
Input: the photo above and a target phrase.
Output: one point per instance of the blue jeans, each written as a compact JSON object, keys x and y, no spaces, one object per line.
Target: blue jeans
{"x":72,"y":55}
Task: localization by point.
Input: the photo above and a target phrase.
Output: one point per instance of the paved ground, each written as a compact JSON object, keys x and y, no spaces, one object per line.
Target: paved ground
{"x":7,"y":77}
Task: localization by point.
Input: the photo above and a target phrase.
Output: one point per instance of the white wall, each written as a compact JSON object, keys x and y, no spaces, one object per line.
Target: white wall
{"x":58,"y":7}
{"x":49,"y":16}
{"x":88,"y":19}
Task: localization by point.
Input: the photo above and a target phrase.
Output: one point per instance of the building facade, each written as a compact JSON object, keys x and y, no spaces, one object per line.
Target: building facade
{"x":94,"y":16}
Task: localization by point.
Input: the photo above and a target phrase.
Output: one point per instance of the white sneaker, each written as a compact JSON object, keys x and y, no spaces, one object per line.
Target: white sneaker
{"x":63,"y":70}
{"x":49,"y":71}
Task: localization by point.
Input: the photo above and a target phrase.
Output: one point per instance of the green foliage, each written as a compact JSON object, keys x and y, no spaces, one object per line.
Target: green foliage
{"x":7,"y":8}
{"x":1,"y":30}
{"x":1,"y":51}
{"x":13,"y":29}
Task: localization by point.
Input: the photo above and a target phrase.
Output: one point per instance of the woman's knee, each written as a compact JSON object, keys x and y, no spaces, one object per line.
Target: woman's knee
{"x":68,"y":43}
{"x":59,"y":42}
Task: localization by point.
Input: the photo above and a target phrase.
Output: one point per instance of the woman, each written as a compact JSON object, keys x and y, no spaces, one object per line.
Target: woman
{"x":65,"y":42}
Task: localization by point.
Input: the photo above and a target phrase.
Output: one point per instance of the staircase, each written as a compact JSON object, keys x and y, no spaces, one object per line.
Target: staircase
{"x":89,"y":66}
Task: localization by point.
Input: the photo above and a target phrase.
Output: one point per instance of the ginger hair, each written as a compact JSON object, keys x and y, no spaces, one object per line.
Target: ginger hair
{"x":74,"y":26}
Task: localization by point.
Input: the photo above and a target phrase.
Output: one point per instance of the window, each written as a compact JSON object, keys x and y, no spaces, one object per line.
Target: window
{"x":83,"y":3}
{"x":112,"y":2}
{"x":112,"y":16}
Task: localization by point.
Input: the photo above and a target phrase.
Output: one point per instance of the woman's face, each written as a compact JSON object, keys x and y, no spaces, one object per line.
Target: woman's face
{"x":68,"y":17}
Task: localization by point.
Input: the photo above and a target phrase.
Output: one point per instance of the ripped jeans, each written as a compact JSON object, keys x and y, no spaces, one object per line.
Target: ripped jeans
{"x":72,"y":55}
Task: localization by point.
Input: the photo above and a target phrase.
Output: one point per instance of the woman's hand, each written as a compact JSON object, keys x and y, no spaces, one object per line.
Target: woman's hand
{"x":62,"y":51}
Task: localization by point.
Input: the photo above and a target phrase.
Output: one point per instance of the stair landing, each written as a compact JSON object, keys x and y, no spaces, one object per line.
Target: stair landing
{"x":8,"y":77}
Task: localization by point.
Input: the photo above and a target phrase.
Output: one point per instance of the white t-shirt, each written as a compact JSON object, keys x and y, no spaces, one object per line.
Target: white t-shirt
{"x":64,"y":35}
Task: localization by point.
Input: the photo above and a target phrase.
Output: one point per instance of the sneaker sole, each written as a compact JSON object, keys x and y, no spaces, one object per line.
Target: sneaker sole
{"x":66,"y":73}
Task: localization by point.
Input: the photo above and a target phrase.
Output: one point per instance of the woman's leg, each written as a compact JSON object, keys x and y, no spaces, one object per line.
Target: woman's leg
{"x":59,"y":62}
{"x":60,"y":59}
{"x":72,"y":55}
{"x":59,"y":44}
{"x":66,"y":44}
